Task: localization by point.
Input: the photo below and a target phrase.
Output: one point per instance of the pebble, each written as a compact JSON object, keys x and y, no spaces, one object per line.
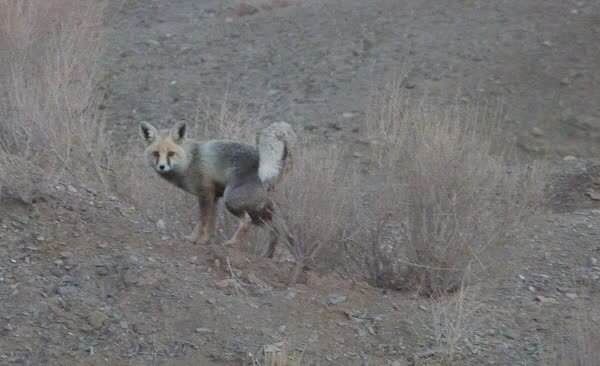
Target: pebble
{"x":571,"y":295}
{"x":152,"y":42}
{"x":536,"y":131}
{"x":101,"y":270}
{"x":97,"y":318}
{"x":203,"y":330}
{"x":336,"y":299}
{"x":569,"y":157}
{"x":161,"y":226}
{"x":544,"y":299}
{"x":66,"y":255}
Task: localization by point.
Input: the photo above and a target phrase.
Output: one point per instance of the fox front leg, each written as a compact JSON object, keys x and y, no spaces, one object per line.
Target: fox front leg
{"x":206,"y":226}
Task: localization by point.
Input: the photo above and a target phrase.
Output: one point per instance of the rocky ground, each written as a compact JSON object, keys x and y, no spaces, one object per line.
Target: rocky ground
{"x":89,"y":280}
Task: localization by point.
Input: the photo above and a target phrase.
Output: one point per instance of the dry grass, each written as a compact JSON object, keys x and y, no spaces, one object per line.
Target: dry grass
{"x":448,"y":195}
{"x":48,"y":72}
{"x":315,"y":203}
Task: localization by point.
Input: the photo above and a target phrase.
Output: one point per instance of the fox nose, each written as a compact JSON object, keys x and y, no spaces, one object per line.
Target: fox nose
{"x":161,"y":167}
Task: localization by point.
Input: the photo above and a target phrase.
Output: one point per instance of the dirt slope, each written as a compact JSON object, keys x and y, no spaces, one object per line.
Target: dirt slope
{"x":313,"y":63}
{"x":88,"y":280}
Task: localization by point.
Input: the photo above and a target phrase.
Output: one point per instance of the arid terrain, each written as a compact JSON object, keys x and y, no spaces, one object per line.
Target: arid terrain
{"x":96,"y":275}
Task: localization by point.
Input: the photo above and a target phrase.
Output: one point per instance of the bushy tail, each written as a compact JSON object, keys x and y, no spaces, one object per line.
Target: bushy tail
{"x":275,"y":144}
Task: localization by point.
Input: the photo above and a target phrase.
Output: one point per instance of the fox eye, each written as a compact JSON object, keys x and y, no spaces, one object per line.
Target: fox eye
{"x":171,"y":154}
{"x":156,"y":154}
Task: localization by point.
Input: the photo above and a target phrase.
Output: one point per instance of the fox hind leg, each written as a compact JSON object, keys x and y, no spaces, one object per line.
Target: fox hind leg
{"x":241,"y":232}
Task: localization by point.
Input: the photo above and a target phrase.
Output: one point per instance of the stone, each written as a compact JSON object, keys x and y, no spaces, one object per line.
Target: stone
{"x":336,"y":299}
{"x":97,"y":318}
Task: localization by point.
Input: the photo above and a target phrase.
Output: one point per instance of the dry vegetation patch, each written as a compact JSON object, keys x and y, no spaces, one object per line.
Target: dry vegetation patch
{"x":449,"y":193}
{"x":48,"y":74}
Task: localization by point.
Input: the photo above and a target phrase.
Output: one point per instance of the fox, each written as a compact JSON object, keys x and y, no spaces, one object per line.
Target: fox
{"x":240,"y":174}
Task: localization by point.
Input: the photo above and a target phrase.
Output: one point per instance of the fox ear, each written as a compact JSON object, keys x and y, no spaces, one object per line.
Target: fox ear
{"x":148,"y":131}
{"x":178,"y":131}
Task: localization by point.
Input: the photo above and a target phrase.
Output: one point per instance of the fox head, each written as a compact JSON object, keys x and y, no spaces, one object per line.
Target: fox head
{"x":165,"y":151}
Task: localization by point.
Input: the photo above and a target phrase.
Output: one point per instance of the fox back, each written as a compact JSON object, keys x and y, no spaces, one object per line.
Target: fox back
{"x":191,"y":164}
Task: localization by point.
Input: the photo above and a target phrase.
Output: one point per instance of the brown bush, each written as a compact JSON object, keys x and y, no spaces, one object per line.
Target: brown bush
{"x":448,"y":194}
{"x":48,"y":72}
{"x":315,"y":204}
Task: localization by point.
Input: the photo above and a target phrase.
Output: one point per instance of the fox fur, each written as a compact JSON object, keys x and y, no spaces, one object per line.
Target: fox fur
{"x":241,"y":174}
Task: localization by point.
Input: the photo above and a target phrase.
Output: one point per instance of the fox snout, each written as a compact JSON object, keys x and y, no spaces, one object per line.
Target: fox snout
{"x":163,"y":161}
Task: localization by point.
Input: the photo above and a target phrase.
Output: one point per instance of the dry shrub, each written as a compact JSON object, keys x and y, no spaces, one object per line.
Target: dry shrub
{"x":48,"y":73}
{"x":447,"y":195}
{"x":315,"y":203}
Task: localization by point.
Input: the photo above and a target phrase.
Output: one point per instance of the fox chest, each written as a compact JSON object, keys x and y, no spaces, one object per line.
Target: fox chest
{"x":178,"y":180}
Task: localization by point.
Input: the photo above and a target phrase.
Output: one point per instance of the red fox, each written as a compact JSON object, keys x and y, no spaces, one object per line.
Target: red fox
{"x":241,"y":174}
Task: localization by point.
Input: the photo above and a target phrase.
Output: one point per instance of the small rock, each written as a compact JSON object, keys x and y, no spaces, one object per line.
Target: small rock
{"x":244,"y":9}
{"x":357,"y":155}
{"x":8,"y":327}
{"x":336,"y":299}
{"x":271,"y":348}
{"x":423,"y":307}
{"x":565,"y":82}
{"x":153,"y":43}
{"x":531,"y":288}
{"x":66,"y":255}
{"x":547,"y":300}
{"x":211,"y":300}
{"x":282,"y":329}
{"x":202,"y":330}
{"x":593,"y":261}
{"x":101,"y":270}
{"x":410,"y":85}
{"x":571,"y":295}
{"x":569,"y":157}
{"x":24,"y":220}
{"x":536,"y":131}
{"x":547,"y":43}
{"x":97,"y":318}
{"x":347,"y":115}
{"x":71,"y":189}
{"x":123,"y":324}
{"x":161,"y":226}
